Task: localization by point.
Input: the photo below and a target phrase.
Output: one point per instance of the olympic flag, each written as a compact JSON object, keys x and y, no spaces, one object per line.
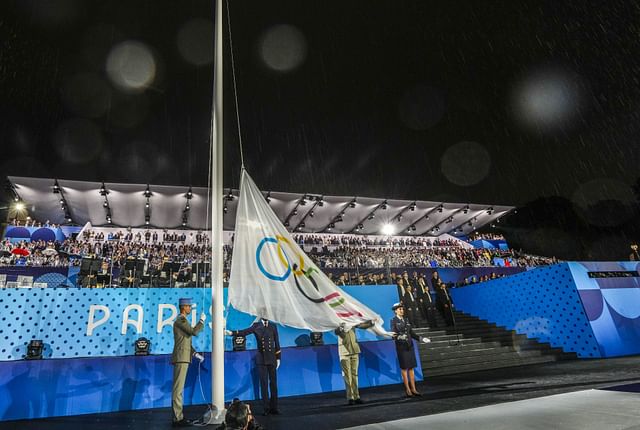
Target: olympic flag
{"x":272,"y":277}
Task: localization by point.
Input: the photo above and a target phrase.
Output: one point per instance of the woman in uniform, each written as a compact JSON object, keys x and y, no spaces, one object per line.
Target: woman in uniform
{"x":404,"y":336}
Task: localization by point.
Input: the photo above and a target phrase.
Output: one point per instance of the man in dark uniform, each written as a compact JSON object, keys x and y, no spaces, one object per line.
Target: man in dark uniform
{"x":443,"y":301}
{"x":181,"y":357}
{"x":267,"y":360}
{"x":408,"y":299}
{"x":427,"y":306}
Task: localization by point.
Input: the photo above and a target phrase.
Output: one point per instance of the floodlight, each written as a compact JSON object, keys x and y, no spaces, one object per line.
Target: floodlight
{"x":388,"y":229}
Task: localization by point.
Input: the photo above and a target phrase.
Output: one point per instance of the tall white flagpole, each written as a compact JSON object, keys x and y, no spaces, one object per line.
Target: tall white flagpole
{"x":217,"y":347}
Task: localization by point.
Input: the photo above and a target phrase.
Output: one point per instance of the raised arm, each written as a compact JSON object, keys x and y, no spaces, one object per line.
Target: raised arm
{"x":184,"y":326}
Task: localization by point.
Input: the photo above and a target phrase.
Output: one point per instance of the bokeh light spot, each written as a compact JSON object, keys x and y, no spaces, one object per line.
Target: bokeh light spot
{"x":465,"y":163}
{"x":283,"y":48}
{"x":131,"y":66}
{"x":547,"y":99}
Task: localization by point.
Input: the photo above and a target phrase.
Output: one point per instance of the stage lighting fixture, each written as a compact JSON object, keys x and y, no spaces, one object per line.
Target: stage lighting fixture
{"x":383,"y":207}
{"x":16,"y":198}
{"x":105,"y":204}
{"x":316,"y":339}
{"x":449,"y":220}
{"x":146,"y":205}
{"x":302,"y":225}
{"x":189,"y":193}
{"x":56,"y":187}
{"x":187,"y":207}
{"x":286,"y":223}
{"x":302,"y":202}
{"x":295,"y":212}
{"x":239,"y":343}
{"x":360,"y":226}
{"x":352,"y":204}
{"x":147,"y":192}
{"x":225,"y":209}
{"x":388,"y":229}
{"x":184,"y":223}
{"x":142,"y":346}
{"x":465,"y":210}
{"x":320,"y":202}
{"x":440,"y":208}
{"x":412,"y":207}
{"x":103,"y":190}
{"x":268,"y":197}
{"x":19,"y":206}
{"x":370,"y":217}
{"x":311,"y":213}
{"x":62,"y":201}
{"x":332,"y":225}
{"x":399,"y":218}
{"x":229,"y":196}
{"x":34,"y":350}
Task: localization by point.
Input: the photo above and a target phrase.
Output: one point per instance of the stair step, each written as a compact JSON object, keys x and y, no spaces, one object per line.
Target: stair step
{"x":461,"y":361}
{"x":450,"y":370}
{"x":462,"y":346}
{"x":455,"y":353}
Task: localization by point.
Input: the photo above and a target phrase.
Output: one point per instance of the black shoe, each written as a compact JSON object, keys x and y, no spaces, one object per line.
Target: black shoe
{"x":352,"y":402}
{"x":182,"y":423}
{"x":359,"y":401}
{"x":274,"y":412}
{"x":417,"y":394}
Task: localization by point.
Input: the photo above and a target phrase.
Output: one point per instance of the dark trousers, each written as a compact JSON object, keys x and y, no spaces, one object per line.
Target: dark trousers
{"x":428,"y":311}
{"x":411,"y":311}
{"x":268,"y":383}
{"x":446,"y":312}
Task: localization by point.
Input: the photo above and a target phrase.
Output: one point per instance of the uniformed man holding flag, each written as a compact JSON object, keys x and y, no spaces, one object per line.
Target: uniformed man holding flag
{"x":181,"y":357}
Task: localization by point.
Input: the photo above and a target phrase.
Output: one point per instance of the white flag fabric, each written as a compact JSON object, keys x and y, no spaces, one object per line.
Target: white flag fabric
{"x":272,"y":277}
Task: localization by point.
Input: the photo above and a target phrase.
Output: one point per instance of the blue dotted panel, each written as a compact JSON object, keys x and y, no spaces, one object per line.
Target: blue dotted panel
{"x":59,"y":316}
{"x":542,"y":303}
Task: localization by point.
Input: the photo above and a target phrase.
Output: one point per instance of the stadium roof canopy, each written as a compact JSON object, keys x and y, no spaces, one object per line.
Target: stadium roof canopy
{"x":305,"y":213}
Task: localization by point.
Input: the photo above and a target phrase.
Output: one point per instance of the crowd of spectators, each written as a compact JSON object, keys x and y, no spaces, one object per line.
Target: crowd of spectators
{"x":36,"y":253}
{"x":372,"y":258}
{"x":327,"y":251}
{"x":330,"y":240}
{"x":485,"y":236}
{"x":29,"y":222}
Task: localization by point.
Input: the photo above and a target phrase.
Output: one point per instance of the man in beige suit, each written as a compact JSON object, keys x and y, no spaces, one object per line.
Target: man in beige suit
{"x":181,"y":357}
{"x":349,"y":353}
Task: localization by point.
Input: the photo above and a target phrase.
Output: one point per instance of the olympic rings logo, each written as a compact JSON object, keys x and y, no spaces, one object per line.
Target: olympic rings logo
{"x":283,"y":257}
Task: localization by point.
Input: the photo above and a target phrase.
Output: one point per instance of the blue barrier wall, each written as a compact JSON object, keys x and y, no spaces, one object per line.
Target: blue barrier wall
{"x":612,"y":304}
{"x":45,"y":388}
{"x":89,"y":322}
{"x":542,"y":303}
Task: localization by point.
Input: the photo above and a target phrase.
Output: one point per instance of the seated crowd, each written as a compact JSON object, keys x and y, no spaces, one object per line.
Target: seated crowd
{"x":343,"y":257}
{"x":329,"y":251}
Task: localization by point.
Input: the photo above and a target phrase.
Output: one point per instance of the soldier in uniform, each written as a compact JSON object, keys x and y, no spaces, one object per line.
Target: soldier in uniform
{"x":267,"y":360}
{"x":349,"y":352}
{"x":181,"y":357}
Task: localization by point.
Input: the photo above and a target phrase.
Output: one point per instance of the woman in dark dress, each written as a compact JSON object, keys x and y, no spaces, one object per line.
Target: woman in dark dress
{"x":404,"y":335}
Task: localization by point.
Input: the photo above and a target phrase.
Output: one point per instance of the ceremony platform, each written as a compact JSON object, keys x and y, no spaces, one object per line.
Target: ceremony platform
{"x":514,"y":394}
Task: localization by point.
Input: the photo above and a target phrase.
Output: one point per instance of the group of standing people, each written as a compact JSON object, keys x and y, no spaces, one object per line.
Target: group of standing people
{"x":415,"y":295}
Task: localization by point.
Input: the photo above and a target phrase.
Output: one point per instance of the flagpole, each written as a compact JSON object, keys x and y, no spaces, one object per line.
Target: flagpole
{"x":217,"y":347}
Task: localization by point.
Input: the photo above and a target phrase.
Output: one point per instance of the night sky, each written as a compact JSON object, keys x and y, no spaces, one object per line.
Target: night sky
{"x":527,"y":103}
